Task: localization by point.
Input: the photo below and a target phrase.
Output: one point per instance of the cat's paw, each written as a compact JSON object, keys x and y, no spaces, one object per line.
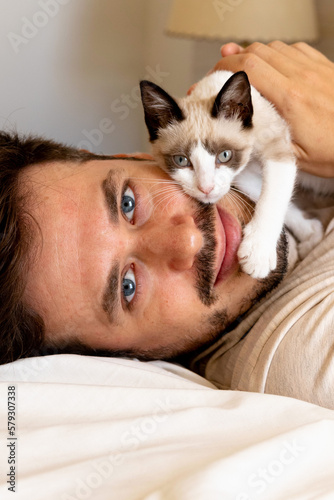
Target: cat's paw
{"x":257,"y":257}
{"x":311,"y":237}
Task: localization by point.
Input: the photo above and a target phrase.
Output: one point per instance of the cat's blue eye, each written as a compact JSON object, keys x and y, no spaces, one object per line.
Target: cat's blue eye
{"x":128,"y":203}
{"x":225,"y":156}
{"x":181,"y":161}
{"x":129,"y":285}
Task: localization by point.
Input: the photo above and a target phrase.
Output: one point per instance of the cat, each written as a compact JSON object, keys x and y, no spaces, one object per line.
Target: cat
{"x":226,"y":133}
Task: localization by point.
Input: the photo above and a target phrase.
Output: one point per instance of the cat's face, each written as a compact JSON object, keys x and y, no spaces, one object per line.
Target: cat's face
{"x":202,"y":144}
{"x":205,"y":170}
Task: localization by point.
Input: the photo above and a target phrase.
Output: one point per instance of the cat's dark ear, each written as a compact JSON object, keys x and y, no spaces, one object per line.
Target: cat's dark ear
{"x":234,"y":100}
{"x":159,"y":107}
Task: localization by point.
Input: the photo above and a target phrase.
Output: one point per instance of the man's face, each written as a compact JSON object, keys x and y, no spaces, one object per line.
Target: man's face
{"x":124,"y":260}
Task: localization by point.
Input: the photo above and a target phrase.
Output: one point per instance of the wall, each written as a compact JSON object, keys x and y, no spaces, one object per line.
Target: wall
{"x":70,"y":68}
{"x":325,"y":44}
{"x":66,"y":62}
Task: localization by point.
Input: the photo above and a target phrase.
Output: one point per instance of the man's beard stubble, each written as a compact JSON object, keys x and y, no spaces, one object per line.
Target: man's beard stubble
{"x":205,"y":261}
{"x":220,"y":321}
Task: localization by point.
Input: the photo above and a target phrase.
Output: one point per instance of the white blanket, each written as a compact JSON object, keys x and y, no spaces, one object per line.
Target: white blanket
{"x":103,"y":428}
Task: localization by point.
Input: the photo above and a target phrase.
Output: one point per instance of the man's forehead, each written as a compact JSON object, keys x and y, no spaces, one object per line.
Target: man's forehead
{"x":58,"y":169}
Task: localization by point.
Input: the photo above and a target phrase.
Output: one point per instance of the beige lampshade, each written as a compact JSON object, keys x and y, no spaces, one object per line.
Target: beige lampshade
{"x":244,"y":20}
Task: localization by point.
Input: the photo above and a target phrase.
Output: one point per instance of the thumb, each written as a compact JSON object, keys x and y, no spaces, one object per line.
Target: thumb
{"x":230,"y":49}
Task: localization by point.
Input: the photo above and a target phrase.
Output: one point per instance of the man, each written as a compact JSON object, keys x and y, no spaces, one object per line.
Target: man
{"x":120,"y":259}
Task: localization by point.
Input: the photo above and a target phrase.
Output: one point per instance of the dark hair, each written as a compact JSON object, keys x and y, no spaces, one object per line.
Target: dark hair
{"x":21,"y":328}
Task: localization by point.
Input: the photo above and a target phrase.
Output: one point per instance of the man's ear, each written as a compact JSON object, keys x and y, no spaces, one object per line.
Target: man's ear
{"x":234,"y":100}
{"x":159,"y":107}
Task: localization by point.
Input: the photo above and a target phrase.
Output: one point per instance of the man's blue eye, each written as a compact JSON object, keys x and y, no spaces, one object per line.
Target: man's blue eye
{"x":128,"y":203}
{"x":129,"y":285}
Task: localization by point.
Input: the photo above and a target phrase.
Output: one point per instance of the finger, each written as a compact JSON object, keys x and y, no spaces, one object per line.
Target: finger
{"x":142,"y":156}
{"x":290,"y":51}
{"x":323,"y":169}
{"x":300,"y":53}
{"x":311,"y":53}
{"x":266,"y":79}
{"x":230,"y":49}
{"x":231,"y":63}
{"x":276,"y":54}
{"x":320,"y":170}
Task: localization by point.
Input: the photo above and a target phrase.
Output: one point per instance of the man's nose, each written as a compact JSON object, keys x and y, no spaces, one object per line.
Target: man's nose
{"x":175,"y":243}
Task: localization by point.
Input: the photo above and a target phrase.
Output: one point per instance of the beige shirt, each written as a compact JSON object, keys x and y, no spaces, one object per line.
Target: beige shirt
{"x":286,"y":345}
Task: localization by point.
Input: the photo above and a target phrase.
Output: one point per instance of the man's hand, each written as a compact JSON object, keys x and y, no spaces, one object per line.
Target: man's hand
{"x":298,"y":80}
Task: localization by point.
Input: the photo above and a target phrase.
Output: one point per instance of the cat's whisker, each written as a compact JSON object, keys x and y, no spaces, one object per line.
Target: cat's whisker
{"x":170,"y":200}
{"x":230,"y":198}
{"x":176,"y":195}
{"x":163,"y":189}
{"x":238,"y":199}
{"x":237,"y":190}
{"x":243,"y":206}
{"x":162,"y":200}
{"x":165,"y":203}
{"x":165,"y":193}
{"x":234,"y":199}
{"x":240,"y":203}
{"x":244,"y":198}
{"x":154,"y":181}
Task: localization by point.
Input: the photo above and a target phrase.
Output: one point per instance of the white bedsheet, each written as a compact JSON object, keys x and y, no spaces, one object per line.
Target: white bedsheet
{"x":103,"y":428}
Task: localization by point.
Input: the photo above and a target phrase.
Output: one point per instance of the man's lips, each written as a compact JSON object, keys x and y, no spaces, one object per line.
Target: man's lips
{"x":228,"y":240}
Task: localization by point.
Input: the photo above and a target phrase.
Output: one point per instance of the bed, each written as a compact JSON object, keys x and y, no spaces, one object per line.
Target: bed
{"x":103,"y":428}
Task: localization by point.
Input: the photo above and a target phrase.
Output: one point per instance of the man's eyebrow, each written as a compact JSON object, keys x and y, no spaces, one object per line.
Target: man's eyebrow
{"x":110,"y":188}
{"x":110,"y":295}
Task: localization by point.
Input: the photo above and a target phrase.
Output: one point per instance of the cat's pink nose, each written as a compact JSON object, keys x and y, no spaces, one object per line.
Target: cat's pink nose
{"x":206,"y":190}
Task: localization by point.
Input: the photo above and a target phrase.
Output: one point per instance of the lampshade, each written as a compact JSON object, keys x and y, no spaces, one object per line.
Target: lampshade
{"x":244,"y":20}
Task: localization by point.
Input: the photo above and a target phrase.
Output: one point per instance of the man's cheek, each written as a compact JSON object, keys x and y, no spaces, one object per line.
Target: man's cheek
{"x":177,"y":304}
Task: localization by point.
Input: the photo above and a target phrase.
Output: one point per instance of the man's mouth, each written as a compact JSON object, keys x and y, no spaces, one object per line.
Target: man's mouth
{"x":228,"y":240}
